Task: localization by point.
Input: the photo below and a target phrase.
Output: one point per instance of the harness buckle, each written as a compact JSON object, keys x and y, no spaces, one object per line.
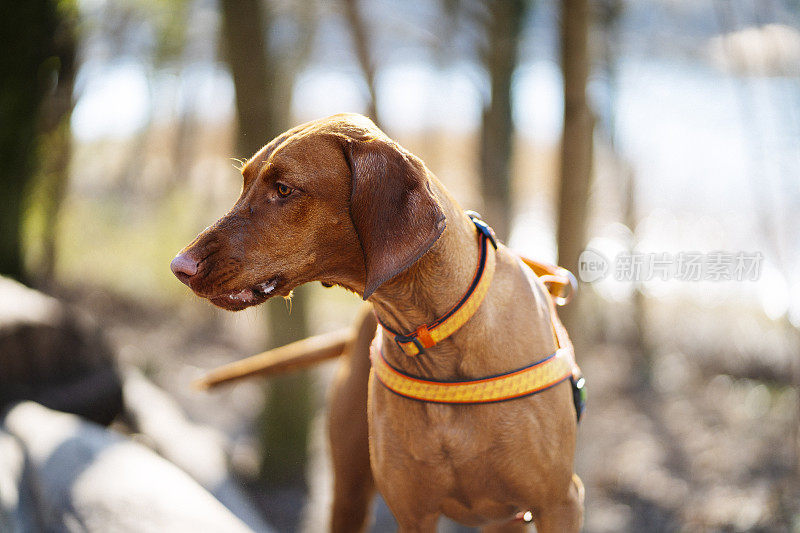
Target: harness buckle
{"x":405,"y":339}
{"x":424,"y":336}
{"x":483,"y":227}
{"x":578,"y":394}
{"x":573,"y":288}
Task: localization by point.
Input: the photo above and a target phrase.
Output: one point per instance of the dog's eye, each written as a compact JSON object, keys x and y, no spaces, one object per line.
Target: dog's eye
{"x":284,"y":190}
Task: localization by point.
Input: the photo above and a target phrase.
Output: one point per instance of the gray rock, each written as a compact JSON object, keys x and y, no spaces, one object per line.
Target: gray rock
{"x":87,"y":479}
{"x":198,"y":450}
{"x":53,"y":354}
{"x":17,"y":508}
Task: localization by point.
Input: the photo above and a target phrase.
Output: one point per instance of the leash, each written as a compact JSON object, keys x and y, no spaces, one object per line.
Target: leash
{"x":531,"y":379}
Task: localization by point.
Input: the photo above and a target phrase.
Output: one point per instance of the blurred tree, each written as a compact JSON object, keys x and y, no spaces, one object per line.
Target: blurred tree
{"x":576,"y":142}
{"x":363,"y":49}
{"x":768,"y":209}
{"x":263,"y":100}
{"x":493,"y":31}
{"x":609,"y":16}
{"x":263,"y":69}
{"x":167,"y":50}
{"x":246,"y":27}
{"x":56,"y":141}
{"x":28,"y":67}
{"x":504,"y":25}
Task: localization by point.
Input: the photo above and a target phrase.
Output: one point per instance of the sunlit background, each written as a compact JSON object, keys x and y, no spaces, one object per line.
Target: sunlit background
{"x":693,"y":416}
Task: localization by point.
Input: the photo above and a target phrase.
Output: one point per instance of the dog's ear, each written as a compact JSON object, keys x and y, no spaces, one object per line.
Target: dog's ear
{"x":394,"y":212}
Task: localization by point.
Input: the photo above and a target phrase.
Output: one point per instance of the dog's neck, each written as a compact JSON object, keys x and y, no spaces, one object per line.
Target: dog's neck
{"x":432,"y":285}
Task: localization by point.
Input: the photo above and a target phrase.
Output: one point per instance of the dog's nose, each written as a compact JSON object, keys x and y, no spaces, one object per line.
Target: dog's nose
{"x":184,"y":267}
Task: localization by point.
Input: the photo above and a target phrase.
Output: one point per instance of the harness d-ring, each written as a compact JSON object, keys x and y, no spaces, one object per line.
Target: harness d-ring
{"x":568,"y":283}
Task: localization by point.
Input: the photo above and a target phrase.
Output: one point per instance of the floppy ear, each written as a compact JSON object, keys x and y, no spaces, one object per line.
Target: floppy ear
{"x":393,"y":209}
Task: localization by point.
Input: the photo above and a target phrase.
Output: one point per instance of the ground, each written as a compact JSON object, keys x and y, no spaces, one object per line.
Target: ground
{"x":708,"y":444}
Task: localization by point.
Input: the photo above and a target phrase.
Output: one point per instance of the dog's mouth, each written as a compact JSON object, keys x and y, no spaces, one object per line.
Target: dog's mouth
{"x":241,"y":299}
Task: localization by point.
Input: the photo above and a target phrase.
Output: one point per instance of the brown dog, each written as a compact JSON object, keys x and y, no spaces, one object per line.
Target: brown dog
{"x":337,"y":201}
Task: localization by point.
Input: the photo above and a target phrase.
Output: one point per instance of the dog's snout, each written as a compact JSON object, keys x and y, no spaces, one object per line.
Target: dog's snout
{"x":184,"y":267}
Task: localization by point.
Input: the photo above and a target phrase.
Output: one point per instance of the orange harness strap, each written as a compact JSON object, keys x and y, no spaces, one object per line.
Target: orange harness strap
{"x":560,"y":282}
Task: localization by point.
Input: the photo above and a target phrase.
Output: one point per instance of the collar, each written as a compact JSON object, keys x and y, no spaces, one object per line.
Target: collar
{"x":428,"y":335}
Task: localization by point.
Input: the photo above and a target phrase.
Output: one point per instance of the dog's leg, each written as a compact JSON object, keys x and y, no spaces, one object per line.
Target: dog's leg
{"x":567,"y":516}
{"x":348,"y":433}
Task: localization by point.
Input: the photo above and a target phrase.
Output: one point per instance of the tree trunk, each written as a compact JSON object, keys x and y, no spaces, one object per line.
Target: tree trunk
{"x":286,"y":418}
{"x":609,"y":16}
{"x":576,"y":141}
{"x":262,"y":98}
{"x":361,"y":42}
{"x":244,"y":34}
{"x":26,"y":60}
{"x":56,"y":144}
{"x":497,"y":128}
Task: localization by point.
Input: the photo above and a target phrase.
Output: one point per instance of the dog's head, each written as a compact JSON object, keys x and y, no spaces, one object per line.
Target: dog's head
{"x":334,"y":200}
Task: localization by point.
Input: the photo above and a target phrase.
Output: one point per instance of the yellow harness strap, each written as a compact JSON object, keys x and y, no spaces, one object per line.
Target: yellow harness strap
{"x":537,"y":377}
{"x":428,"y":335}
{"x":545,"y":373}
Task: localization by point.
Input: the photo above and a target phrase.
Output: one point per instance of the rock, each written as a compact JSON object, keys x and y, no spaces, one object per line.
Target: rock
{"x":52,"y":354}
{"x":199,"y":451}
{"x":17,"y":512}
{"x":88,"y":479}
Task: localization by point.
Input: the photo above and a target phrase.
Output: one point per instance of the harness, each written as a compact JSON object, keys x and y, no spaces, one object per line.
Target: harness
{"x":544,"y":373}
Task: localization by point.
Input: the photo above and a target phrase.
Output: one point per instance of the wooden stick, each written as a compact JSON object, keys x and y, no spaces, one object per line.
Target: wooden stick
{"x":294,"y":356}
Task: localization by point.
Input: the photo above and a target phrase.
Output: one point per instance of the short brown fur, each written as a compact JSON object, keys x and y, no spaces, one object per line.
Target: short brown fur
{"x":365,"y":214}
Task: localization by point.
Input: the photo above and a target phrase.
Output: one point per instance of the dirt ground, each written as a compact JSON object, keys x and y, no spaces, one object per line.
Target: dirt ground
{"x":705,"y":446}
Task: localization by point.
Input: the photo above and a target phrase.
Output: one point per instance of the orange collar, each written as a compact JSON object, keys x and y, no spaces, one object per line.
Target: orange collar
{"x":427,"y":335}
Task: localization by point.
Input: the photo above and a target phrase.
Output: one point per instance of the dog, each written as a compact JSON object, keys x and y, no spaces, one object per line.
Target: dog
{"x":337,"y":201}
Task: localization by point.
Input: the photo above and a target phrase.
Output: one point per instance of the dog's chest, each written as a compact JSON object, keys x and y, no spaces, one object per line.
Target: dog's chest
{"x":460,"y":441}
{"x":455,"y":436}
{"x":461,"y":464}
